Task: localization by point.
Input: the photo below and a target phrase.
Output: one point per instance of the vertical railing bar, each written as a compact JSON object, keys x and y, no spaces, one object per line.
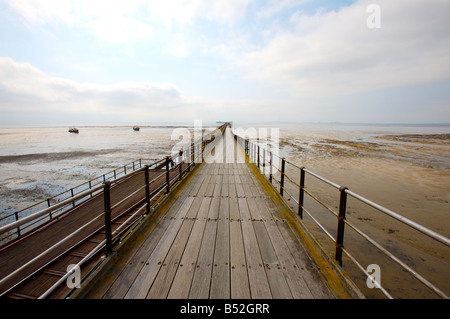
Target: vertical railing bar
{"x":264,"y":161}
{"x":167,"y":175}
{"x":341,"y":224}
{"x":258,"y":157}
{"x":107,"y":207}
{"x":271,"y":160}
{"x":301,"y":194}
{"x":71,"y":193}
{"x":147,"y":189}
{"x":283,"y":166}
{"x":18,"y":227}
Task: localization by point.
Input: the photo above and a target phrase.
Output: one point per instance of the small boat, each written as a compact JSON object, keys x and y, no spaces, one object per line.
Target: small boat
{"x":73,"y":130}
{"x":136,"y":128}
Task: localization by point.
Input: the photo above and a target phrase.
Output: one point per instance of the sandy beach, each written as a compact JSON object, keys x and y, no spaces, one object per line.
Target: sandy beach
{"x":408,"y":174}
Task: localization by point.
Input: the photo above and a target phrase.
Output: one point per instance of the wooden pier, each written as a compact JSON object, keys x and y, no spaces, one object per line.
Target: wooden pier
{"x":222,"y":232}
{"x":224,"y":235}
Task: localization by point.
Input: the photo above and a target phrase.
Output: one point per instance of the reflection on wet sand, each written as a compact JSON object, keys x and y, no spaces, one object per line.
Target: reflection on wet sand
{"x":408,"y":174}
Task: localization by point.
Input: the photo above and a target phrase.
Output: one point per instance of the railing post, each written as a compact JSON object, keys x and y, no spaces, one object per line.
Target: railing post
{"x":264,"y":161}
{"x":180,"y":161}
{"x":258,"y":155}
{"x":16,"y":214}
{"x":49,"y":213}
{"x":147,"y":189}
{"x":301,"y":194}
{"x":283,"y":164}
{"x":71,"y":193}
{"x":167,"y":175}
{"x":270,"y":174}
{"x":341,"y":224}
{"x":107,"y":206}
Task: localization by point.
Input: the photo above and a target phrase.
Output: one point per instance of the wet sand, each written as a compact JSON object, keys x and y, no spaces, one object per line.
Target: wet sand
{"x":408,"y":174}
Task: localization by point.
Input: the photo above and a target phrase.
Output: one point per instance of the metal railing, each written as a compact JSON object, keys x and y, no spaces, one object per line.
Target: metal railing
{"x":54,"y":202}
{"x":271,"y":165}
{"x":53,"y":206}
{"x":173,"y":169}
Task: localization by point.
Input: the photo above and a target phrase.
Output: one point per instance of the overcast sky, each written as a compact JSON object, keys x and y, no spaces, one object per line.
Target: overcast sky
{"x":138,"y":62}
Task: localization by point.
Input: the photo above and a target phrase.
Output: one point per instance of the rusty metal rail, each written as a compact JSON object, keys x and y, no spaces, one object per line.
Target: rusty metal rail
{"x":263,"y":157}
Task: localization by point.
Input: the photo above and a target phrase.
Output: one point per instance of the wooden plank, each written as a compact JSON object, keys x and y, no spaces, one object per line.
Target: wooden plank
{"x":183,"y":278}
{"x":248,"y":192}
{"x":278,"y":285}
{"x":134,"y":264}
{"x":290,"y":269}
{"x":162,"y":282}
{"x":232,"y":189}
{"x":193,"y":190}
{"x":259,"y":285}
{"x":225,"y":182}
{"x":239,"y":277}
{"x":220,"y":280}
{"x":170,"y":265}
{"x":211,"y":184}
{"x":240,"y":190}
{"x":305,"y":265}
{"x":218,"y":186}
{"x":204,"y":185}
{"x":202,"y":278}
{"x":145,"y":278}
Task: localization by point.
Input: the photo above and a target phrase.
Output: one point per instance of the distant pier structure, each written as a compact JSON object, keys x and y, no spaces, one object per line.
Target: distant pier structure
{"x":207,"y":222}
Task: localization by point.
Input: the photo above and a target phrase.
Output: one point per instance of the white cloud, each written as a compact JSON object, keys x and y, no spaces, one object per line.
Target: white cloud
{"x":334,"y":53}
{"x":120,"y":29}
{"x":185,"y":11}
{"x":109,"y":20}
{"x":125,"y":21}
{"x":42,"y":11}
{"x":24,"y":87}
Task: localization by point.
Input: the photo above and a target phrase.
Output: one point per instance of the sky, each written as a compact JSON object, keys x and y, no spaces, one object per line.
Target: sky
{"x":176,"y":61}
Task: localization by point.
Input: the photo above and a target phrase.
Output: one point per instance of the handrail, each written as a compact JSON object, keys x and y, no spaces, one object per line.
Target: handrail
{"x":253,"y":149}
{"x":430,"y":233}
{"x":62,"y":241}
{"x":206,"y":146}
{"x":45,"y":211}
{"x":103,"y":176}
{"x":197,"y":147}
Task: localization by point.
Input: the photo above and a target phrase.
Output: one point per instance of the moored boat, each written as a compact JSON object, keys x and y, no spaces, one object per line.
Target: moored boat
{"x":73,"y":130}
{"x":136,"y":128}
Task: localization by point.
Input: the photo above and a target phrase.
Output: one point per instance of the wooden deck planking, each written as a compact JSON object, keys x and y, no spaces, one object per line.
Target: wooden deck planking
{"x":133,"y":265}
{"x":182,"y":281}
{"x":202,"y":278}
{"x":259,"y":285}
{"x":223,"y":240}
{"x":142,"y":283}
{"x":239,"y":278}
{"x":220,"y":278}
